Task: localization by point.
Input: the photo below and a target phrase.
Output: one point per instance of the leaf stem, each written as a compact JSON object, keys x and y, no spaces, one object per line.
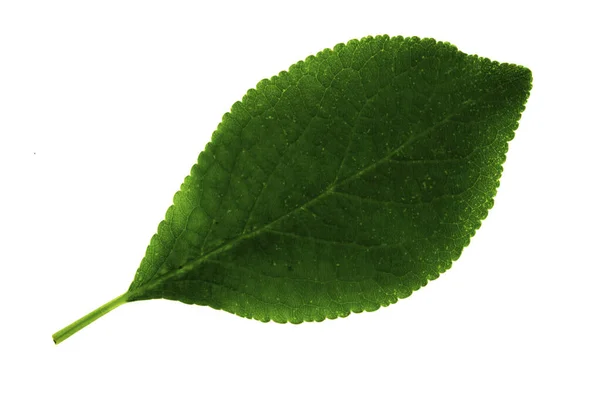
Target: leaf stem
{"x":88,"y":319}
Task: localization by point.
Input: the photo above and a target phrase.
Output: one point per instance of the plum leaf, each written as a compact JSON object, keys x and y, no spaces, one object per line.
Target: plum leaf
{"x":338,"y":186}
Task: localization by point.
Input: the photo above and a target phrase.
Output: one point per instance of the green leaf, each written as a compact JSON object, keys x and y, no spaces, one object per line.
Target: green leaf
{"x":339,"y":186}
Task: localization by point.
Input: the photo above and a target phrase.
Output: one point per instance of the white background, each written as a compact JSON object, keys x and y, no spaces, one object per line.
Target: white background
{"x":104,"y":107}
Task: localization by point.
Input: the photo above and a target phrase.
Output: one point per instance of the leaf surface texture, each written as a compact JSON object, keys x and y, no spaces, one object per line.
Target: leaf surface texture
{"x":340,"y":185}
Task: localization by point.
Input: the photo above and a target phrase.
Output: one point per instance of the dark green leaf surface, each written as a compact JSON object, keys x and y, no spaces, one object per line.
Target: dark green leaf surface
{"x":341,"y":185}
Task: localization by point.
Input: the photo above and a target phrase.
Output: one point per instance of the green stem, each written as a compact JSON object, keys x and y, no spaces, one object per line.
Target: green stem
{"x":88,"y":319}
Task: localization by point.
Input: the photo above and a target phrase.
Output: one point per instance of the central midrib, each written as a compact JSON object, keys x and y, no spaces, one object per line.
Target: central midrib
{"x":226,"y":246}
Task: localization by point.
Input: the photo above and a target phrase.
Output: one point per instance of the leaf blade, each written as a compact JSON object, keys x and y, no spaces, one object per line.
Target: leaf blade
{"x":237,"y":238}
